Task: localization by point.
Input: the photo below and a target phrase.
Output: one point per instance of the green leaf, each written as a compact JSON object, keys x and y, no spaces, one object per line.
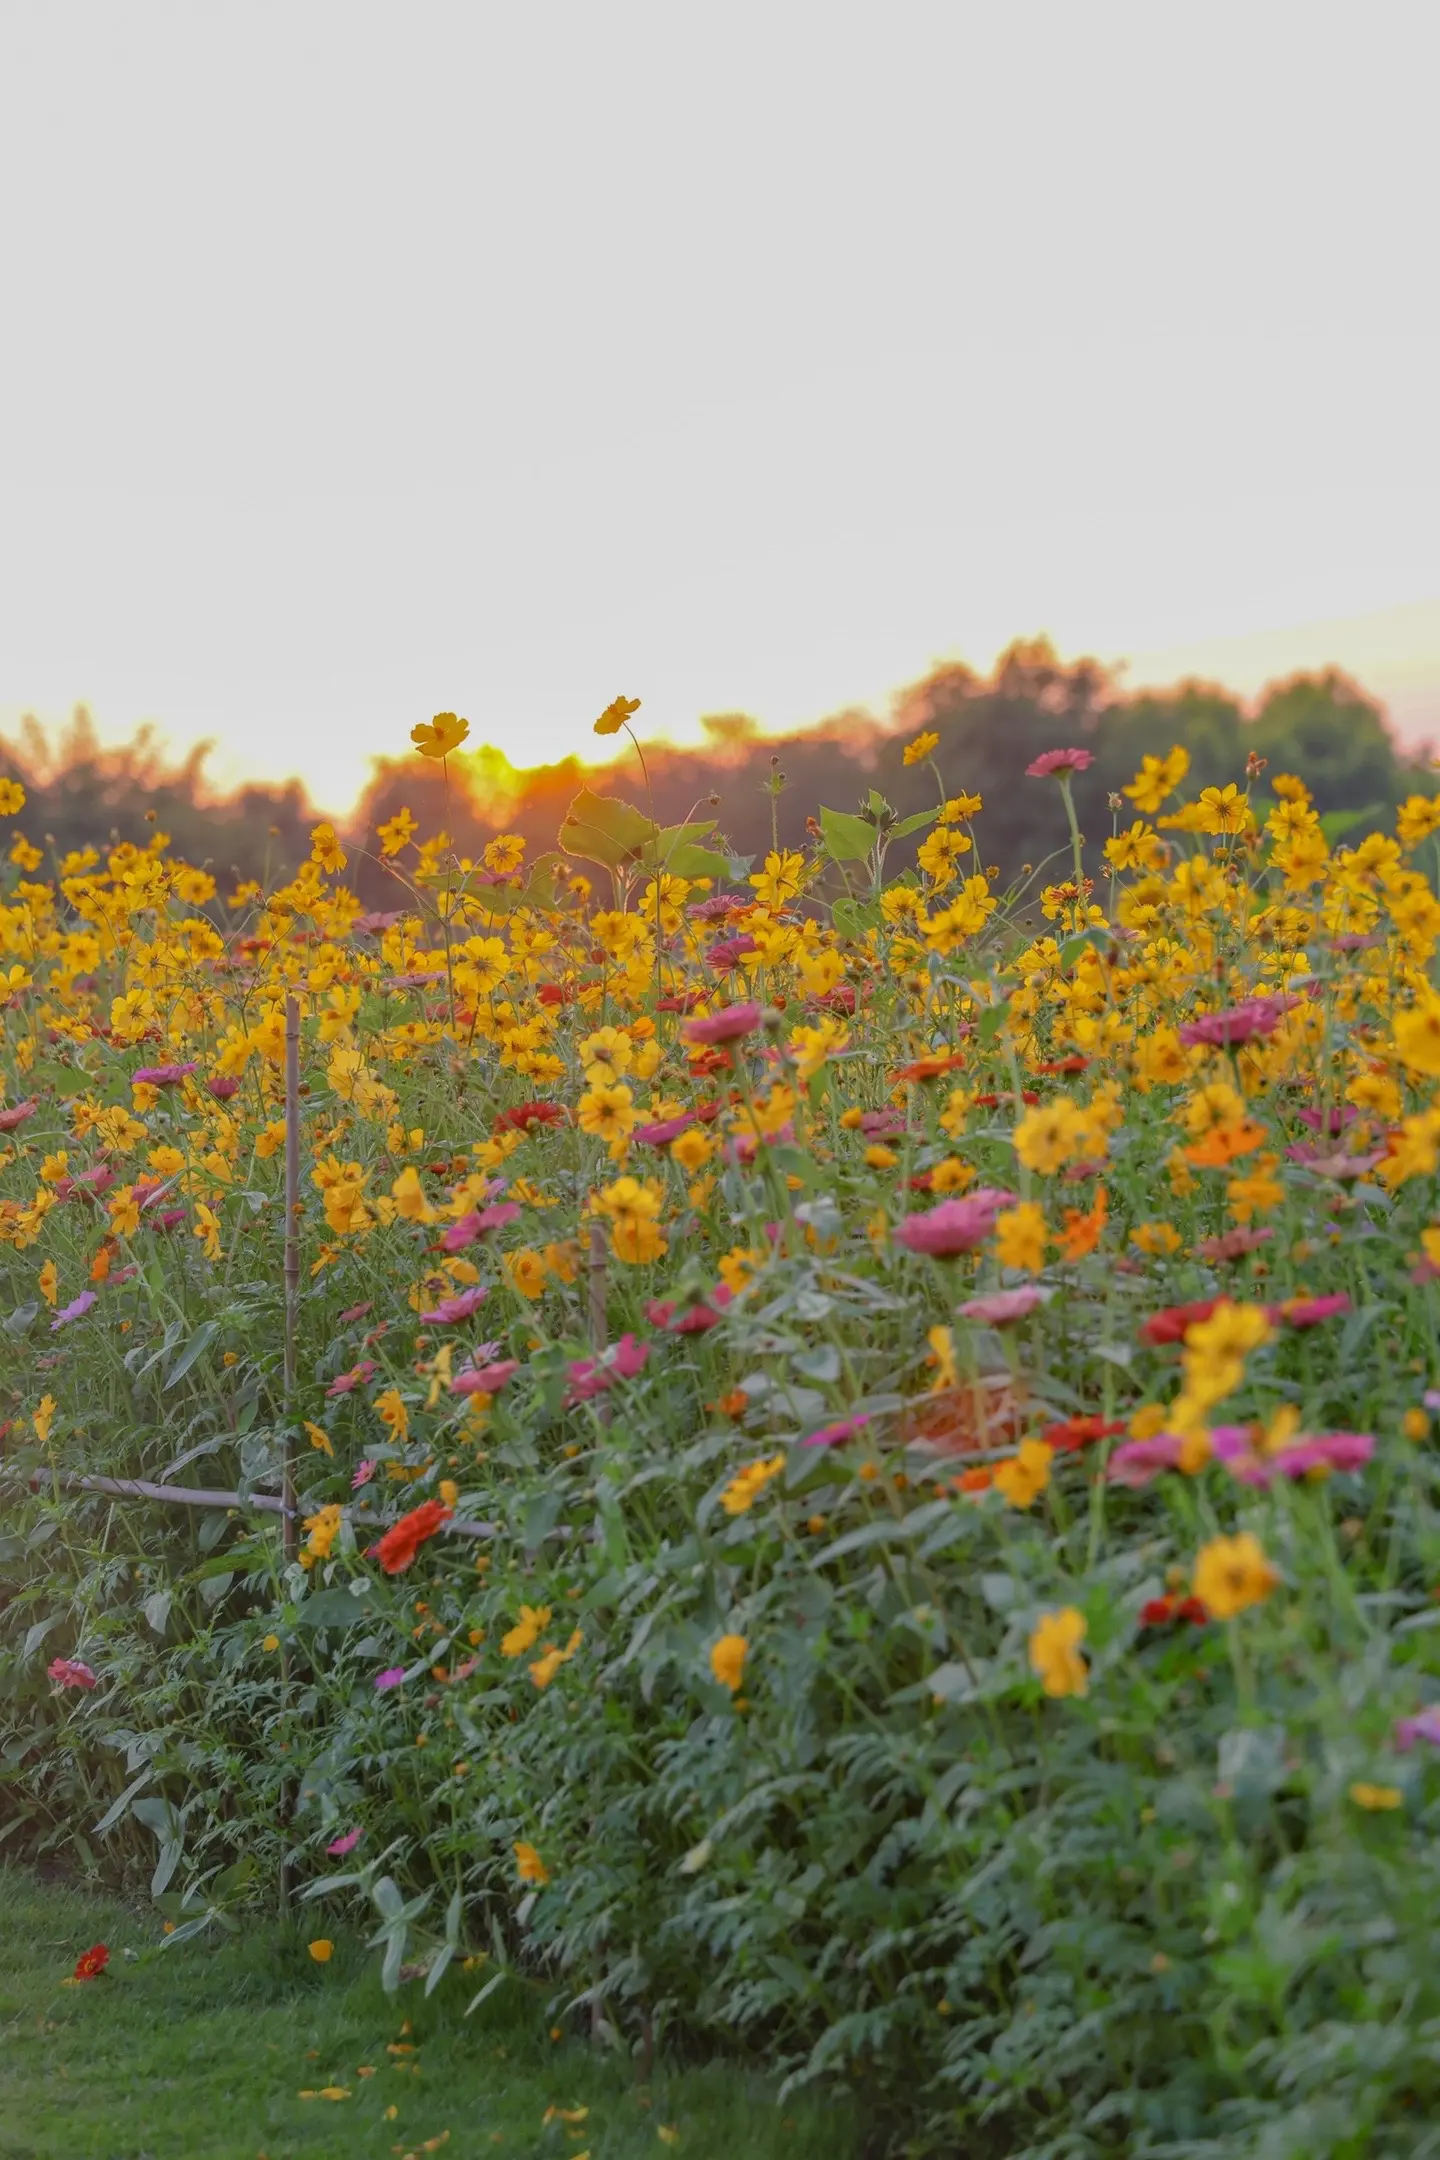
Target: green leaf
{"x":198,"y":1344}
{"x":660,"y":850}
{"x":691,"y":861}
{"x":914,"y":823}
{"x":1335,"y":823}
{"x":541,"y":1515}
{"x":847,"y":838}
{"x":330,"y":1609}
{"x":991,"y":1021}
{"x":852,"y":918}
{"x":603,"y":829}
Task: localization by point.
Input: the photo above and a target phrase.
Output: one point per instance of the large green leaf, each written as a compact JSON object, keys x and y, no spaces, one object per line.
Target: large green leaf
{"x":603,"y":829}
{"x":847,"y":838}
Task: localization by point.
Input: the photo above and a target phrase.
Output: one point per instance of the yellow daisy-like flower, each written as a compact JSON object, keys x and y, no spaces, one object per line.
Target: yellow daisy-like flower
{"x":438,"y":737}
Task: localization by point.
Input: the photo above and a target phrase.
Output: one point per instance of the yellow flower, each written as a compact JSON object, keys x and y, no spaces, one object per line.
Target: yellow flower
{"x":409,"y":1196}
{"x":1048,"y":1136}
{"x":392,"y":1413}
{"x":727,"y":1661}
{"x":271,"y":1642}
{"x":438,"y":737}
{"x":533,"y":1621}
{"x":1417,"y":1036}
{"x":1157,"y":778}
{"x":505,"y":853}
{"x":43,"y":1417}
{"x":942,"y":1357}
{"x":532,"y":1868}
{"x":607,"y":1113}
{"x":1376,"y":1797}
{"x":1232,"y":1573}
{"x":923,"y":746}
{"x":1025,"y":1475}
{"x":781,"y":878}
{"x":326,"y":850}
{"x":319,"y":1438}
{"x":616,"y":714}
{"x":49,"y":1282}
{"x":1055,"y":1652}
{"x":1223,"y":810}
{"x":207,"y":1229}
{"x":12,"y":798}
{"x":396,"y":833}
{"x":1020,"y":1235}
{"x":745,"y":1488}
{"x":322,"y":1949}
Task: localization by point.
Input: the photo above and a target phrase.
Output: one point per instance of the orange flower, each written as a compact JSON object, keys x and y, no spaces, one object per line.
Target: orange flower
{"x":1084,"y":1228}
{"x":403,"y":1539}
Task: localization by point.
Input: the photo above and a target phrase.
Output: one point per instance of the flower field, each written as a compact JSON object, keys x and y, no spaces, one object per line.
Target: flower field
{"x":857,"y":1443}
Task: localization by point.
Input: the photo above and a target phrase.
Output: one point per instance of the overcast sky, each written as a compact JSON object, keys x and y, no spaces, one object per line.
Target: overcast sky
{"x":361,"y":362}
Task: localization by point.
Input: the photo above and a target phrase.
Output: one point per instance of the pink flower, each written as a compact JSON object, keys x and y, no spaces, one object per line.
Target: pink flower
{"x":460,"y":1307}
{"x":1232,"y":1244}
{"x":16,"y":1115}
{"x":73,"y":1310}
{"x":347,"y":1383}
{"x":484,"y":1379}
{"x":592,"y":1376}
{"x":1000,"y":1306}
{"x":1051,"y":762}
{"x":473,"y":1226}
{"x":1138,"y":1462}
{"x":338,"y":1847}
{"x":727,"y":953}
{"x":956,"y":1226}
{"x":1235,"y":1446}
{"x":743,"y":1147}
{"x":727,"y":1025}
{"x":835,"y":1435}
{"x":161,"y":1075}
{"x":695,"y":1318}
{"x":223,"y":1086}
{"x":1425,"y":1725}
{"x":1238,"y":1024}
{"x":71,"y":1672}
{"x":391,"y":1677}
{"x":663,"y":1132}
{"x":1304,"y":1312}
{"x":364,"y":1471}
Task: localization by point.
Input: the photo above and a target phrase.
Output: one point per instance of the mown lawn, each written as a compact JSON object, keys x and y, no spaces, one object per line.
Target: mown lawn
{"x":202,"y":2053}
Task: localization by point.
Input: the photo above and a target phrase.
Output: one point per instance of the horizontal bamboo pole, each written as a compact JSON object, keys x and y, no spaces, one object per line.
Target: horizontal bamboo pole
{"x":201,"y":1497}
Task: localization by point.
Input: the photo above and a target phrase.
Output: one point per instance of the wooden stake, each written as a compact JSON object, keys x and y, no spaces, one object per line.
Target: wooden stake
{"x":292,"y":1258}
{"x":597,"y":1288}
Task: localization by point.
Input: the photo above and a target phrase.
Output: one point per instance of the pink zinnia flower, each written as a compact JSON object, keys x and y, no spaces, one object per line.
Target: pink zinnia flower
{"x":689,"y":1319}
{"x":727,"y":953}
{"x":71,"y":1672}
{"x":73,"y":1310}
{"x":476,"y":1225}
{"x":1304,"y":1312}
{"x":161,"y":1075}
{"x":664,"y":1131}
{"x":1051,"y":762}
{"x":998,"y":1307}
{"x":391,"y":1677}
{"x":1235,"y":1446}
{"x":1238,"y":1024}
{"x":460,"y":1307}
{"x":834,"y":1435}
{"x":727,"y":1025}
{"x":1425,"y":1725}
{"x":592,"y":1376}
{"x":347,"y":1383}
{"x":1232,"y":1244}
{"x":1139,"y":1462}
{"x":484,"y":1379}
{"x":16,"y":1115}
{"x":956,"y":1226}
{"x":223,"y":1086}
{"x":338,"y":1847}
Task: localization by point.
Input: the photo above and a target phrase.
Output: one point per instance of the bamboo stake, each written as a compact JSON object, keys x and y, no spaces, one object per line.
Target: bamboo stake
{"x":204,"y":1497}
{"x":292,"y":1257}
{"x":597,"y":1288}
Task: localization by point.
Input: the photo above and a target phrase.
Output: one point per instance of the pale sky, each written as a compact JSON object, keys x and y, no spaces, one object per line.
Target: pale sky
{"x":365,"y":361}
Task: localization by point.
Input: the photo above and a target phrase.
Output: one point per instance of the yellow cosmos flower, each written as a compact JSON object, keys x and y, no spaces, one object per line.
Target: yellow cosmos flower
{"x":438,"y":737}
{"x":1055,"y":1652}
{"x":1232,"y":1573}
{"x":727,"y":1661}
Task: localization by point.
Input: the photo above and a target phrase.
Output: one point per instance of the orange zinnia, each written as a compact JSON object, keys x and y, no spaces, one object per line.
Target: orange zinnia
{"x":403,"y":1539}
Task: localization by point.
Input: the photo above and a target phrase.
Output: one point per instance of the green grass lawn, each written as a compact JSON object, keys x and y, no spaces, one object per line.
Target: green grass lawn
{"x":202,"y":2053}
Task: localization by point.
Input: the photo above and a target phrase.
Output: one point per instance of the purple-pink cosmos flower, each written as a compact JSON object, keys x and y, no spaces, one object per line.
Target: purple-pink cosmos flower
{"x":997,"y":1307}
{"x":391,"y":1677}
{"x":453,"y":1309}
{"x":478,"y":1224}
{"x":1241,"y":1449}
{"x":956,"y":1226}
{"x":71,"y":1672}
{"x":727,"y":1025}
{"x":1425,"y":1725}
{"x":338,"y":1847}
{"x":592,"y":1376}
{"x":484,"y":1379}
{"x":834,"y":1435}
{"x":161,"y":1075}
{"x":73,"y":1310}
{"x":1051,"y":762}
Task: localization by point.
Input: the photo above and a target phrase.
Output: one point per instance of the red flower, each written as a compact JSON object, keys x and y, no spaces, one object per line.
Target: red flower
{"x":91,"y":1963}
{"x":349,"y":1381}
{"x":1166,"y":1611}
{"x":403,"y":1539}
{"x":1077,"y":1432}
{"x":1073,"y":1064}
{"x":525,"y":1116}
{"x":1169,"y":1324}
{"x":930,"y":1068}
